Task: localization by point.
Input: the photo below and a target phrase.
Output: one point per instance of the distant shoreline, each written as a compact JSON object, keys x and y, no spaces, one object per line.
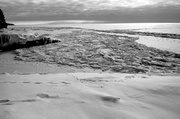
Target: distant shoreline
{"x":142,"y":27}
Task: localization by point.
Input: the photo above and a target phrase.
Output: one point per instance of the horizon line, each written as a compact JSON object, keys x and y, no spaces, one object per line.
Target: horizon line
{"x":41,"y":22}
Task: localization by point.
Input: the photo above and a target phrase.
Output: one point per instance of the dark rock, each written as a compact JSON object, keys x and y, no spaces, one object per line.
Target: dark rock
{"x":177,"y":55}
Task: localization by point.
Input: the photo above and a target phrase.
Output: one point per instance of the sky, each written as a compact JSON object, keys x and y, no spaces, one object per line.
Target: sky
{"x":122,"y":11}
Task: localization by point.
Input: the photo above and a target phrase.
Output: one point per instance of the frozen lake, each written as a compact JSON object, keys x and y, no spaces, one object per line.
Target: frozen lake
{"x":142,"y":27}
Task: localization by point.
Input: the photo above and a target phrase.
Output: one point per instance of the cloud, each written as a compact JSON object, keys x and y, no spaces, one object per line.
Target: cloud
{"x":95,"y":4}
{"x":16,"y":9}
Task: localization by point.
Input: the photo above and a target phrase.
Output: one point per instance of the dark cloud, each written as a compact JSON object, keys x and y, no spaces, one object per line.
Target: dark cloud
{"x":101,"y":10}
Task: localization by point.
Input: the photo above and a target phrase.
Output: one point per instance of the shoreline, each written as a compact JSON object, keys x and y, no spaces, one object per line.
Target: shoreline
{"x":93,"y":50}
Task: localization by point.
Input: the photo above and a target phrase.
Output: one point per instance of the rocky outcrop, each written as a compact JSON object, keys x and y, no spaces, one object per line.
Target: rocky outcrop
{"x":16,"y":41}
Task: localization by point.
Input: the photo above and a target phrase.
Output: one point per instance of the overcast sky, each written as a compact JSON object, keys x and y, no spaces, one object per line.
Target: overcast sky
{"x":97,"y":10}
